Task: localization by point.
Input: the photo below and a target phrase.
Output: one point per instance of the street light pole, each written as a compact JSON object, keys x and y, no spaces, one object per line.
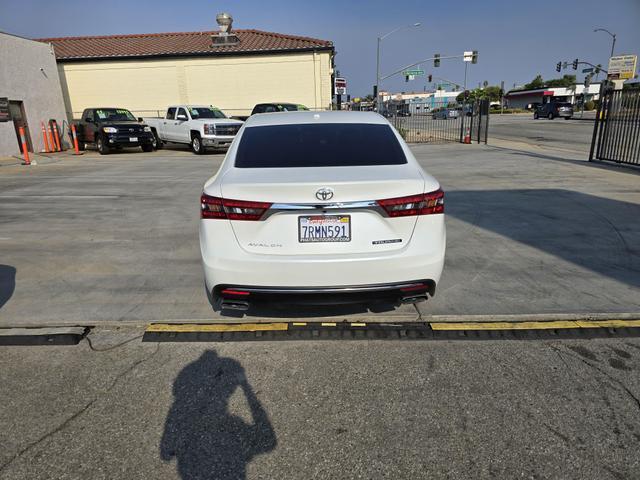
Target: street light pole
{"x":613,"y":35}
{"x":417,"y":24}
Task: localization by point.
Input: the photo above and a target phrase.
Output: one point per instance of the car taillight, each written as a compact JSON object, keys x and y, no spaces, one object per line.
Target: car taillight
{"x":214,"y":207}
{"x":421,"y":204}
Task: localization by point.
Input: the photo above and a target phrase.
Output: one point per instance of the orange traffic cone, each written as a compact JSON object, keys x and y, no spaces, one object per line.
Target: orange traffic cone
{"x":467,"y":137}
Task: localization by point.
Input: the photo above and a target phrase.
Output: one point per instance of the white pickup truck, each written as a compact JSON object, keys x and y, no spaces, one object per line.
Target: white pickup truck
{"x":200,"y":126}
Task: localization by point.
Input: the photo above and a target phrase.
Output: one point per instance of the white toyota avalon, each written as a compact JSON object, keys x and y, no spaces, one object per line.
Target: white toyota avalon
{"x":321,"y":208}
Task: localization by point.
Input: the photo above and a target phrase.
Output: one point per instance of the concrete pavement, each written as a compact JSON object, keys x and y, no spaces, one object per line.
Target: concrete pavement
{"x":93,"y":240}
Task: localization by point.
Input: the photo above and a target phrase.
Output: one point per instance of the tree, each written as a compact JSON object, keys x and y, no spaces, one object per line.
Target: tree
{"x":537,"y":82}
{"x":566,"y":81}
{"x":491,"y":93}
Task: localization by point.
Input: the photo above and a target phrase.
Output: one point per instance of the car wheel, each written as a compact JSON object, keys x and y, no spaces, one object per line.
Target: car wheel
{"x":196,"y":145}
{"x":102,"y":147}
{"x":536,"y":116}
{"x":156,"y":143}
{"x":550,"y":116}
{"x":567,"y":118}
{"x":147,"y":147}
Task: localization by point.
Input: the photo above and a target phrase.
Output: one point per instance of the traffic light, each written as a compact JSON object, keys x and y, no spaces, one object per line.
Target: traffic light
{"x":575,"y":64}
{"x":406,"y":78}
{"x":436,"y":60}
{"x":474,"y":57}
{"x":558,"y":66}
{"x":598,"y":67}
{"x":587,"y":81}
{"x":430,"y":77}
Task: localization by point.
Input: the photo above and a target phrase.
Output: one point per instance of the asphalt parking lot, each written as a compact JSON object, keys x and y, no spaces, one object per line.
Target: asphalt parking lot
{"x":323,"y":410}
{"x":95,"y":239}
{"x":564,"y":135}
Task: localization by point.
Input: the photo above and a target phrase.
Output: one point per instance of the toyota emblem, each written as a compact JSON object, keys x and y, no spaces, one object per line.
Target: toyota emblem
{"x":324,"y":193}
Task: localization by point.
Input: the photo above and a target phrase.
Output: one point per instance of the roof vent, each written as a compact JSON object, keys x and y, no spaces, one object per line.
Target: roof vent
{"x":224,"y":37}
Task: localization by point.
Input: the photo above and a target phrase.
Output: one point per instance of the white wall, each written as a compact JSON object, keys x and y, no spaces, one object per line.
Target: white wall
{"x":28,"y":73}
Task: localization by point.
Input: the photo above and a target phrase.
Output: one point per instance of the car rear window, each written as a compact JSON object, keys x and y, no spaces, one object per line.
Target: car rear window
{"x":319,"y":145}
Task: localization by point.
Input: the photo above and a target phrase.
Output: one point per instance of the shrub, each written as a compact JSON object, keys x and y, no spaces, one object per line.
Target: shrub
{"x":590,"y":105}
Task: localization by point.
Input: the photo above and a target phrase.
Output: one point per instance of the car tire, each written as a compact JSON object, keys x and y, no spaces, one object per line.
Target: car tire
{"x":536,"y":116}
{"x":550,"y":116}
{"x":156,"y":143}
{"x":102,"y":147}
{"x":196,"y":145}
{"x":567,"y":118}
{"x":148,"y":147}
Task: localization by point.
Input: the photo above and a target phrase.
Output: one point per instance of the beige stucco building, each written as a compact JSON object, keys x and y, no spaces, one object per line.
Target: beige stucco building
{"x":146,"y":73}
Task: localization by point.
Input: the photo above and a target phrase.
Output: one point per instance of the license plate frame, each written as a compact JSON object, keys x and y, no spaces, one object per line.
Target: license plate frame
{"x":326,"y":238}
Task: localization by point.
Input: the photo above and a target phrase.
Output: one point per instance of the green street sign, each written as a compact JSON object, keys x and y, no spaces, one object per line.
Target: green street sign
{"x":413,"y":72}
{"x":587,"y":70}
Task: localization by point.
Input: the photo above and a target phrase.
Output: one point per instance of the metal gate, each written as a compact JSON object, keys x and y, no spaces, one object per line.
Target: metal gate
{"x":616,"y":131}
{"x":441,"y":121}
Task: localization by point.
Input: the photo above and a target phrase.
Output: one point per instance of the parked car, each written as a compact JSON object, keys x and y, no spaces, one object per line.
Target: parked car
{"x":321,"y":207}
{"x":552,"y":110}
{"x":277,"y":107}
{"x":201,"y":126}
{"x":445,"y":113}
{"x":108,"y":128}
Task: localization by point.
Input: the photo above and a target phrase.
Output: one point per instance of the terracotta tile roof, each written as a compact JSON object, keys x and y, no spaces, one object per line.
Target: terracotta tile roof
{"x":177,"y":44}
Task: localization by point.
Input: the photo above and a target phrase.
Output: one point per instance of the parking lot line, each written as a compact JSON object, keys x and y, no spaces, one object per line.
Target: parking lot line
{"x":219,"y":328}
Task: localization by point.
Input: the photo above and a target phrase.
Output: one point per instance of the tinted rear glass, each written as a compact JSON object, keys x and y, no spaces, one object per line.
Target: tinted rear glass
{"x":319,"y":145}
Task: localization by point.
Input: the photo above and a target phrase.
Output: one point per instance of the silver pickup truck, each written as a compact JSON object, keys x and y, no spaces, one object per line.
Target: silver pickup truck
{"x":200,"y":126}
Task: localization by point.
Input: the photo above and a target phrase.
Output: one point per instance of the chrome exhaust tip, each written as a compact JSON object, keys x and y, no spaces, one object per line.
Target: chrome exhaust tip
{"x":235,"y":305}
{"x":415,"y":299}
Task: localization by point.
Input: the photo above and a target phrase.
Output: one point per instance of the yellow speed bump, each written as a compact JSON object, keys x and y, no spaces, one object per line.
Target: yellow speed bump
{"x":608,"y":323}
{"x":560,"y":324}
{"x":216,"y":328}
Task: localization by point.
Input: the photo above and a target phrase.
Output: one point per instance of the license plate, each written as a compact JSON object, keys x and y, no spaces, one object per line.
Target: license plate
{"x":324,"y":228}
{"x":133,"y":139}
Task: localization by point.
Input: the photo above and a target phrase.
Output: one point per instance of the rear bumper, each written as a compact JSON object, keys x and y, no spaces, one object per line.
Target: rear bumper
{"x":225,"y":263}
{"x":390,"y":292}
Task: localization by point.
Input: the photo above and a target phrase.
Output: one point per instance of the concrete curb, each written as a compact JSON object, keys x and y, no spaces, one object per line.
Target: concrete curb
{"x":41,"y":336}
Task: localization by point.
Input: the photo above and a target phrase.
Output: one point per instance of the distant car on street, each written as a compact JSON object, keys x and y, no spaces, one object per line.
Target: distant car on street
{"x":321,"y":208}
{"x":446,"y":114}
{"x":278,"y":107}
{"x":552,"y":110}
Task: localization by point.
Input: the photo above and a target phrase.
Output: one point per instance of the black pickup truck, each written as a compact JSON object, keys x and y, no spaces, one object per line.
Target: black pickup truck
{"x":109,"y":128}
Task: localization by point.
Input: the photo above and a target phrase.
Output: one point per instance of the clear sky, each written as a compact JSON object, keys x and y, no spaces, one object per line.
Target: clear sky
{"x":516,"y":39}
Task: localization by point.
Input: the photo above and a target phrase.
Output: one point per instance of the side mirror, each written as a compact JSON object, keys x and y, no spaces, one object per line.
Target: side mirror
{"x":140,"y":119}
{"x":181,"y":117}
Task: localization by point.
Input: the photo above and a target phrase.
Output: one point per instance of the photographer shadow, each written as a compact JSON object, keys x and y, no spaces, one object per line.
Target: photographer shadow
{"x":207,"y":441}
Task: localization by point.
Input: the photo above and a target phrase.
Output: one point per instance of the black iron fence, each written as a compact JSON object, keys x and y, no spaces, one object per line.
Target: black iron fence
{"x":616,"y":132}
{"x":442,"y":122}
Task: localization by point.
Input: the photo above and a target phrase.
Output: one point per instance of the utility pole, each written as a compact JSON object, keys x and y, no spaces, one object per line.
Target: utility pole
{"x":380,"y":38}
{"x":613,"y":35}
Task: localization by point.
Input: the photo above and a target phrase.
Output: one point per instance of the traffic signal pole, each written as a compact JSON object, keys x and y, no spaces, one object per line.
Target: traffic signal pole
{"x":418,"y":63}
